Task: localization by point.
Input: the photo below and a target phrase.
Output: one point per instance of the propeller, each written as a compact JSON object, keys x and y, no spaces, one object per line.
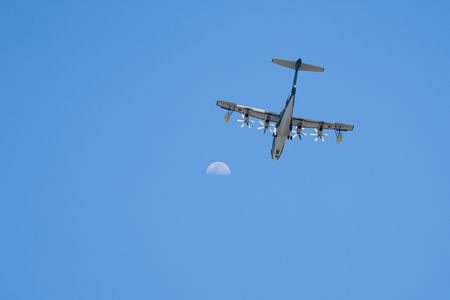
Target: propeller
{"x":245,"y":121}
{"x":265,"y":126}
{"x":299,"y":132}
{"x":319,"y":135}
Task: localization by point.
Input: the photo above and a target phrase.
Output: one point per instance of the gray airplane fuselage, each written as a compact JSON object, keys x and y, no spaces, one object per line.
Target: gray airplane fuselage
{"x":283,"y":127}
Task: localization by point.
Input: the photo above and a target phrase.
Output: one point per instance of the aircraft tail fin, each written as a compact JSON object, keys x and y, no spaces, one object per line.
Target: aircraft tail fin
{"x":291,"y":65}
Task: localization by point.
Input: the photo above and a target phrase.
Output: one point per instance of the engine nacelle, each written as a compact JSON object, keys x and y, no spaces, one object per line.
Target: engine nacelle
{"x":320,"y":132}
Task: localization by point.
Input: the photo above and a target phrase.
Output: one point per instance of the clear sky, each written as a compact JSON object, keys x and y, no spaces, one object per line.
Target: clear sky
{"x":108,"y":123}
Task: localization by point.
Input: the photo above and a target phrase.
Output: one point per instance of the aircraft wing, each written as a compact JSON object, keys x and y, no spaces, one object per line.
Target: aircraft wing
{"x":251,"y":111}
{"x":307,"y":123}
{"x":274,"y":117}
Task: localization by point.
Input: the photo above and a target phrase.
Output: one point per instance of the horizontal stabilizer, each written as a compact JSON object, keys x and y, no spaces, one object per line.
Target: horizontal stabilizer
{"x":291,"y":65}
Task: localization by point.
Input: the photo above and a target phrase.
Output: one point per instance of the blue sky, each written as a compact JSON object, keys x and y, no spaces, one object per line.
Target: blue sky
{"x":108,"y":120}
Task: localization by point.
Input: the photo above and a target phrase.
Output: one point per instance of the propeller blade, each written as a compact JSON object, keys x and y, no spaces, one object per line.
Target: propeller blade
{"x":263,"y":126}
{"x":242,"y":125}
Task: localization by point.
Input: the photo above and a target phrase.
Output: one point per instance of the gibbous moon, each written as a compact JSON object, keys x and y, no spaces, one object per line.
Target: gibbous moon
{"x":218,"y":168}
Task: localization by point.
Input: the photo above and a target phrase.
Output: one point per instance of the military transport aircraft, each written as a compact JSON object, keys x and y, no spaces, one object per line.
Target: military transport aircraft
{"x":283,"y":122}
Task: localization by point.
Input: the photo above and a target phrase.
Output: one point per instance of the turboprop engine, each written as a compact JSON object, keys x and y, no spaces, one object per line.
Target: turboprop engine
{"x":245,"y":121}
{"x":319,"y":134}
{"x":265,"y":126}
{"x":299,"y":132}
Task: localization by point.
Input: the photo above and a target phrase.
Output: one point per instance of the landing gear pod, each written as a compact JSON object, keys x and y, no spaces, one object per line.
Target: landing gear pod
{"x":339,"y":138}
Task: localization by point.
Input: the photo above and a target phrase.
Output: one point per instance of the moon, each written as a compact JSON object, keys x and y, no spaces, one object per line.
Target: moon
{"x":218,"y":168}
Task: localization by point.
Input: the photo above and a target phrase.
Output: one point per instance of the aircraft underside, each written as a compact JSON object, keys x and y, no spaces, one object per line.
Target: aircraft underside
{"x":284,"y":122}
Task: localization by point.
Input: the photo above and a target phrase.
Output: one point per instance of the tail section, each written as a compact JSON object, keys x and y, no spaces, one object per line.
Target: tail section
{"x":293,"y":65}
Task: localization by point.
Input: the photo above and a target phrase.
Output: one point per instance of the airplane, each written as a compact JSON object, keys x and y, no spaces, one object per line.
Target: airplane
{"x":284,"y":121}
